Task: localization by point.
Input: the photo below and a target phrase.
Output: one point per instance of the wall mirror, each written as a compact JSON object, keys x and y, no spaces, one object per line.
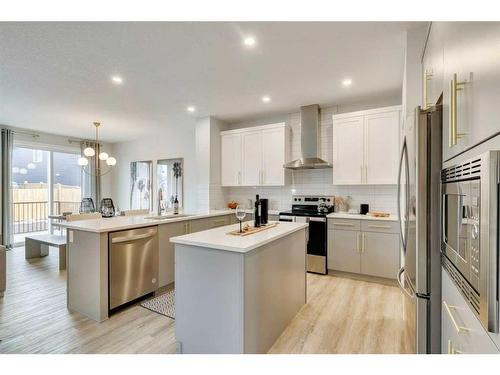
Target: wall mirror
{"x":169,"y":177}
{"x":141,"y":173}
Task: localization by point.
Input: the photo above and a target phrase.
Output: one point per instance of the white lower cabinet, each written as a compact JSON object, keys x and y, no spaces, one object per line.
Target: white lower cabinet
{"x":363,"y":246}
{"x":461,"y":331}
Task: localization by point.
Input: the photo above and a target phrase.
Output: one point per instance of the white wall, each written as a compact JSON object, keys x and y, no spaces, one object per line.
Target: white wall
{"x":166,"y":143}
{"x":380,"y":198}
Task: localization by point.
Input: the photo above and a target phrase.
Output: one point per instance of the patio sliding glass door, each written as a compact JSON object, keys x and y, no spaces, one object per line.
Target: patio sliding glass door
{"x":44,"y":182}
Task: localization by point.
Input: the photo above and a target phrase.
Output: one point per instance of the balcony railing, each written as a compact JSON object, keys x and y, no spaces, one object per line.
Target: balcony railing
{"x":33,"y":216}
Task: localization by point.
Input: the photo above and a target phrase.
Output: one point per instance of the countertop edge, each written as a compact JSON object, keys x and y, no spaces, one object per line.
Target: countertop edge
{"x":179,"y":240}
{"x":347,"y":216}
{"x":74,"y":226}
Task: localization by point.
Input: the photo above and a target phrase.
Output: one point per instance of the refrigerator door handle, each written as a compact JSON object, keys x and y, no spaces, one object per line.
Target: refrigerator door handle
{"x":400,"y":169}
{"x":401,"y":284}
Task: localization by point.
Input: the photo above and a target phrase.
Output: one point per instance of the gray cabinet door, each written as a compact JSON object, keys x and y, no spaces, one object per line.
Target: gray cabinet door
{"x":380,"y":254}
{"x":343,"y":250}
{"x":166,"y":260}
{"x":199,"y":225}
{"x":461,"y":331}
{"x":471,"y":52}
{"x":220,"y":221}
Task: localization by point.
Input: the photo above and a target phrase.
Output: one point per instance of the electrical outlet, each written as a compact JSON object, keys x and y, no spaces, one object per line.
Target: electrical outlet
{"x":70,"y":232}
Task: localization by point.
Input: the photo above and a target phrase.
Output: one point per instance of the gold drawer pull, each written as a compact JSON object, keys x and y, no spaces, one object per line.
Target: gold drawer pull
{"x":344,"y":224}
{"x":379,"y":226}
{"x":458,"y":328}
{"x":219,"y":221}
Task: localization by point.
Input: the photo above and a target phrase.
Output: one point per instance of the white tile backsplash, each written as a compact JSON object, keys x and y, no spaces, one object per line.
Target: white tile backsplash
{"x":315,"y":182}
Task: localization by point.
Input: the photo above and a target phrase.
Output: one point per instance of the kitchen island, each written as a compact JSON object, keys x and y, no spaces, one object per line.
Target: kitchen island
{"x":89,"y":257}
{"x":237,"y":294}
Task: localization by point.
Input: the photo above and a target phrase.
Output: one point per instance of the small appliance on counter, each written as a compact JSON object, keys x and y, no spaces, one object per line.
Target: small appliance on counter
{"x":107,"y":207}
{"x":364,"y":208}
{"x":312,"y":210}
{"x":260,"y":212}
{"x":264,"y":209}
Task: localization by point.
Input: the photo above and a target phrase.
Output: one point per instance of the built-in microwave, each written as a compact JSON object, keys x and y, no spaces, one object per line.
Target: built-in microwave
{"x":470,"y":232}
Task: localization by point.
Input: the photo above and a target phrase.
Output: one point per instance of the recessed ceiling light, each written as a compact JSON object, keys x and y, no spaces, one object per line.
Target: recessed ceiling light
{"x":191,"y":108}
{"x":117,"y":80}
{"x":249,"y":41}
{"x":347,"y":82}
{"x":266,"y":99}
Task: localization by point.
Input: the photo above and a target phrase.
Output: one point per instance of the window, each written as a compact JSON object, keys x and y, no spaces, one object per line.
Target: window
{"x":169,"y":180}
{"x":67,"y":183}
{"x":30,"y":192}
{"x":140,"y":185}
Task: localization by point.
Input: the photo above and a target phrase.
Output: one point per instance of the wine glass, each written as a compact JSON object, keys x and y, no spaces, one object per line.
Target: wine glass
{"x":240,"y":215}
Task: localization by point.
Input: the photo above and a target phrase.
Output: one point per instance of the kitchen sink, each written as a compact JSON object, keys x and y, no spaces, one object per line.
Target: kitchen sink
{"x":163,"y":217}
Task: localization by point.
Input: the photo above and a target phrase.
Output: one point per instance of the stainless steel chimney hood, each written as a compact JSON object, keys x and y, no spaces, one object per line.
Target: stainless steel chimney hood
{"x":309,"y":141}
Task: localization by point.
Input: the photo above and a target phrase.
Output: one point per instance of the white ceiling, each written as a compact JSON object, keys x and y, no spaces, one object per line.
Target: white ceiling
{"x":55,"y":77}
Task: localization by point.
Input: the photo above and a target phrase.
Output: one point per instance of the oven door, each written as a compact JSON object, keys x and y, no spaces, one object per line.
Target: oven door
{"x":316,"y":245}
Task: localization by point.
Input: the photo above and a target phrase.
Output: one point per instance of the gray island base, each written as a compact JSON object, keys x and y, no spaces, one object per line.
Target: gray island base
{"x":238,"y":294}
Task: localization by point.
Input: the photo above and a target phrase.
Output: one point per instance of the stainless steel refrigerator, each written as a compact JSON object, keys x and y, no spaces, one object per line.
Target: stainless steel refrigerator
{"x":419,"y":206}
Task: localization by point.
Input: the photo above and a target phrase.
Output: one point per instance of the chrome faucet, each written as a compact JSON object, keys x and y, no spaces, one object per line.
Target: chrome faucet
{"x":160,"y":198}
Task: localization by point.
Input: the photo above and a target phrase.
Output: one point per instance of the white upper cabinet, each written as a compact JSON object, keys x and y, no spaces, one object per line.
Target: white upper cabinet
{"x":251,"y":168}
{"x":348,"y":151}
{"x":470,"y":81}
{"x":273,"y":156}
{"x":366,"y":147}
{"x":254,"y":156}
{"x":231,"y":156}
{"x":381,"y":147}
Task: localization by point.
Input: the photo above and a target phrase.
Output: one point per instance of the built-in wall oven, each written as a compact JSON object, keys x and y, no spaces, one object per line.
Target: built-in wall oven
{"x":470,"y":232}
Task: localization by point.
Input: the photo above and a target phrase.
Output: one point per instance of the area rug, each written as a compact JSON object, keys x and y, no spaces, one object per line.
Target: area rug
{"x":164,"y":304}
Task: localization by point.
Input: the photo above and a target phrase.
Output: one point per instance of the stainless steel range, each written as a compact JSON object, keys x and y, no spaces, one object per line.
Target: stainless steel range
{"x":312,"y":210}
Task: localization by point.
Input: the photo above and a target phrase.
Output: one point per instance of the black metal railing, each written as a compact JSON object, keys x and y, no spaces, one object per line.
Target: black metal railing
{"x":33,"y":216}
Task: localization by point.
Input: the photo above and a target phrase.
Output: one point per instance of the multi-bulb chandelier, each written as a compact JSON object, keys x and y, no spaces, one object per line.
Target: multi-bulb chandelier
{"x":89,"y":152}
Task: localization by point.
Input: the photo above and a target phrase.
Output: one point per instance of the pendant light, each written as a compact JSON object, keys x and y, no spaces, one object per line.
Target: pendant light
{"x":90,"y":152}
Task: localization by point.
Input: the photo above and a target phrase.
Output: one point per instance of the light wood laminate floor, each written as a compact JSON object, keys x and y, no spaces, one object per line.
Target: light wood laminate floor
{"x":342,"y":316}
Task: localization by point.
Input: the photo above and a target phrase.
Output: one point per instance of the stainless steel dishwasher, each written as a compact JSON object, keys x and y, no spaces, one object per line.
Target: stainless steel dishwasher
{"x":133,"y":264}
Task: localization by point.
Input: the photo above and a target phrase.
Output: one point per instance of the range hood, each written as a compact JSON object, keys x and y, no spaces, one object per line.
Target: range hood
{"x":309,"y":141}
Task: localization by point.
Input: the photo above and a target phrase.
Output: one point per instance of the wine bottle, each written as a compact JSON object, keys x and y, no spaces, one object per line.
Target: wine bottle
{"x":176,"y":206}
{"x":256,"y":221}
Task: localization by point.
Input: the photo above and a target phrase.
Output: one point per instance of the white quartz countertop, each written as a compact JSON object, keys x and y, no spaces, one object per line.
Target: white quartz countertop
{"x":116,"y":223}
{"x":345,"y":215}
{"x":218,"y":238}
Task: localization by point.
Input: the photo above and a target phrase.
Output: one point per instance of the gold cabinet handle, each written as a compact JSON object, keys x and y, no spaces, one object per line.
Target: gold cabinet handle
{"x":379,"y":226}
{"x":363,"y":242}
{"x":219,"y":221}
{"x":452,"y":350}
{"x":358,"y":242}
{"x":361,"y":169}
{"x":458,"y":328}
{"x":425,"y":100}
{"x":344,"y":224}
{"x":454,"y":87}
